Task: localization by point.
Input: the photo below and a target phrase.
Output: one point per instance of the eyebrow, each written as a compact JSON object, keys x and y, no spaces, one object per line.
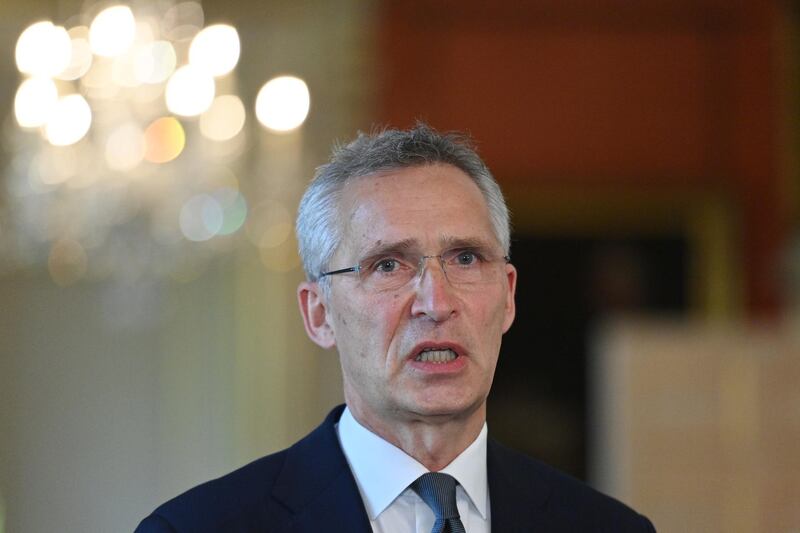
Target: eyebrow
{"x":386,"y":248}
{"x":406,"y":246}
{"x":449,"y":243}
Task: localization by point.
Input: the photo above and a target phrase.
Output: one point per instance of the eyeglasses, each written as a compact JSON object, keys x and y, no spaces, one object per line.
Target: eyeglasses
{"x":463,"y":268}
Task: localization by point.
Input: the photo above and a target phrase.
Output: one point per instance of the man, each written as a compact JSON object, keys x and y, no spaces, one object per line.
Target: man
{"x":404,"y":237}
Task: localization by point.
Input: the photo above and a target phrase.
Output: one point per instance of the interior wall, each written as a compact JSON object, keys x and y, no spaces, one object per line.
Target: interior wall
{"x":610,"y":98}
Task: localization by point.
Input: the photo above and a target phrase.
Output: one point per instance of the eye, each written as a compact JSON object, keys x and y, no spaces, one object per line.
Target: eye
{"x":466,"y":258}
{"x":387,"y":265}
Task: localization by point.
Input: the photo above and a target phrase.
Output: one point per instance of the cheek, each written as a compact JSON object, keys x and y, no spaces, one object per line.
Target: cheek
{"x":363,"y":326}
{"x":491,"y":310}
{"x":492,"y":320}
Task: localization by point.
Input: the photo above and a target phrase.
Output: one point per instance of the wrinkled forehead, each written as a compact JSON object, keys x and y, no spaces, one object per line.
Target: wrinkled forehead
{"x":427,"y":206}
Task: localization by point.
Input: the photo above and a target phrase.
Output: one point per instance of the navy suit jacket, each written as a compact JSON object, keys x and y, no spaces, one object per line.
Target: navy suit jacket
{"x":309,"y":488}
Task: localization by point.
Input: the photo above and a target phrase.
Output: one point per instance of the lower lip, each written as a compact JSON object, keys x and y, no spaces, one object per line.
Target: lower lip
{"x":449,"y":367}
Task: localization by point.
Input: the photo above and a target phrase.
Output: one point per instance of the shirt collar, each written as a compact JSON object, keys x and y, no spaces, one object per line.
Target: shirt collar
{"x":469,"y":468}
{"x":383,"y":471}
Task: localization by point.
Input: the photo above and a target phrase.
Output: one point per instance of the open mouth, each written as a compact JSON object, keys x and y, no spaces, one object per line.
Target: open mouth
{"x":436,"y":355}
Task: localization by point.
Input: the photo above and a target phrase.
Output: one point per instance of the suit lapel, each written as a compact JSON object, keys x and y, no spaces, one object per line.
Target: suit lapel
{"x":517,"y":498}
{"x":316,"y":484}
{"x":319,"y":490}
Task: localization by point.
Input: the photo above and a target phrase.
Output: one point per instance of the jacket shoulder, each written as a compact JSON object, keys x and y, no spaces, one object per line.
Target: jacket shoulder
{"x":258,"y":496}
{"x":564,"y":503}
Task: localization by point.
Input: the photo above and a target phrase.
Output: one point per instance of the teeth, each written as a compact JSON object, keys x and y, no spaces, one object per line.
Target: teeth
{"x":436,"y":356}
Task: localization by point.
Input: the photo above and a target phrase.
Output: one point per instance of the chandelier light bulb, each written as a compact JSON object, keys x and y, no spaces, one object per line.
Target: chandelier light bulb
{"x":282,"y":103}
{"x":112,"y":31}
{"x":43,"y":49}
{"x":215,"y":49}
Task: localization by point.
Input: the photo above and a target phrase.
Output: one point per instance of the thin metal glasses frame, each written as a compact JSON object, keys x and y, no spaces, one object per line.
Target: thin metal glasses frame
{"x":357,"y":268}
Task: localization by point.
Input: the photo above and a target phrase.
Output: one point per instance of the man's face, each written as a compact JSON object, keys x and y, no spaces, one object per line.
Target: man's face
{"x":423,"y":210}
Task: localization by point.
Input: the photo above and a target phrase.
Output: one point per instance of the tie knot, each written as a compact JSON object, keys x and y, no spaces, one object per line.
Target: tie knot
{"x":439,"y":492}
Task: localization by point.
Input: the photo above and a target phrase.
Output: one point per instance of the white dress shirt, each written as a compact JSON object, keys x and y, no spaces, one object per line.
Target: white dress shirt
{"x":383,"y":473}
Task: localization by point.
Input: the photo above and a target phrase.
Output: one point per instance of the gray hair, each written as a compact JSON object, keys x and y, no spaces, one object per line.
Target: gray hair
{"x":318,"y":227}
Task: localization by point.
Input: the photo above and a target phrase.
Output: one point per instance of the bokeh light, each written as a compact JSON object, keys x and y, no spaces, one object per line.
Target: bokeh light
{"x":182,"y":20}
{"x":123,"y":68}
{"x":112,"y":31}
{"x":164,"y":140}
{"x":234,"y":209}
{"x":281,"y":258}
{"x":55,"y":165}
{"x":81,"y":58}
{"x":67,"y":262}
{"x":201,"y":217}
{"x":34,"y":101}
{"x":69,"y":120}
{"x":43,"y":49}
{"x":125,"y":147}
{"x":282,"y":103}
{"x":89,"y":170}
{"x":215,"y":50}
{"x":155,"y":62}
{"x":269,"y":225}
{"x":98,"y":83}
{"x":224,"y":119}
{"x":106,"y":99}
{"x":189,"y":91}
{"x":145,"y":31}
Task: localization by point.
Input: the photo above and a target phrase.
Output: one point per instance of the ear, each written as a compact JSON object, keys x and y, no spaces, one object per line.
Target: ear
{"x":315,"y":314}
{"x":510,"y":309}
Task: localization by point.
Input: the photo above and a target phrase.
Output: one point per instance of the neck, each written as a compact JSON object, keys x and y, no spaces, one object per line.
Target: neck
{"x":434,"y":441}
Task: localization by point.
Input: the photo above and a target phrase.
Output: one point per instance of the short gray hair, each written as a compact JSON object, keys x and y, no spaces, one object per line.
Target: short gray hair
{"x":318,"y":226}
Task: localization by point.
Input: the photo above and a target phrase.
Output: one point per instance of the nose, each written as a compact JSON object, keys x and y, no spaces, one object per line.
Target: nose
{"x":434,"y":297}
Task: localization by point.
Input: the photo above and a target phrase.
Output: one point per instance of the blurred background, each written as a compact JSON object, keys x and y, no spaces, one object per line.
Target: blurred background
{"x":152,"y":154}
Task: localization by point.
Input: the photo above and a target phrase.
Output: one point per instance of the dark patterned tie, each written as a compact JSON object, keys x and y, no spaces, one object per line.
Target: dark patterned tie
{"x":439,"y":492}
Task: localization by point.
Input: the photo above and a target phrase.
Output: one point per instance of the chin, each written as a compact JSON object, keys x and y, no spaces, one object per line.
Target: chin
{"x":446,"y":407}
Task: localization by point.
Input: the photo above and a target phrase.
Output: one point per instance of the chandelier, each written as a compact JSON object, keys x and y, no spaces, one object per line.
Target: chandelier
{"x":126,"y":143}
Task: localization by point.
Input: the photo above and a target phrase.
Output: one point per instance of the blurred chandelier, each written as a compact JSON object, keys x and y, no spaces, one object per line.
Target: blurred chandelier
{"x":128,"y":134}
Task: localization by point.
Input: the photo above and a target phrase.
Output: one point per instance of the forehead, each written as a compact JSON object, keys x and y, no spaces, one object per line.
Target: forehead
{"x":427,"y":204}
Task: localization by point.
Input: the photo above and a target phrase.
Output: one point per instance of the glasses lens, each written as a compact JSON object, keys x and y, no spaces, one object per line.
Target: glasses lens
{"x":462,"y":269}
{"x":387,"y":274}
{"x":466,"y":268}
